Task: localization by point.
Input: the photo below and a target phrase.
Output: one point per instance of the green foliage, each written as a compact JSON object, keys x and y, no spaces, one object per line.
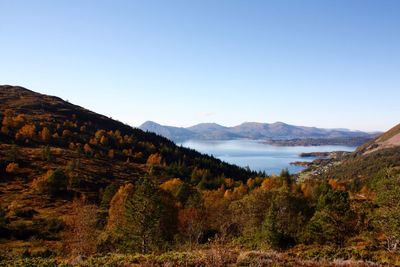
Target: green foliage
{"x":54,"y":182}
{"x":333,"y":221}
{"x":387,"y":215}
{"x":107,"y":195}
{"x":145,"y":212}
{"x":284,"y":220}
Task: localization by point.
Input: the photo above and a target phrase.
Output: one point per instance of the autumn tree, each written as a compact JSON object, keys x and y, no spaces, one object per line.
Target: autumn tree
{"x":88,"y":150}
{"x":116,"y":213}
{"x":80,"y":229}
{"x":45,"y":134}
{"x":154,"y":159}
{"x":28,"y":131}
{"x":54,"y":182}
{"x":12,"y":168}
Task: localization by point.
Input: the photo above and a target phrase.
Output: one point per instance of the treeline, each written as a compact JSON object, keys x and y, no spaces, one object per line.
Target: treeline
{"x":274,"y":212}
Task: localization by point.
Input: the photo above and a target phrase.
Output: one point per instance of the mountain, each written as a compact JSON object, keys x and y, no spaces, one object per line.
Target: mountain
{"x":258,"y":131}
{"x":169,"y":132}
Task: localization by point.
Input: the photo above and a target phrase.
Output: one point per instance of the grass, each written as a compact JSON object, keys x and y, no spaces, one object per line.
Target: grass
{"x":213,"y":256}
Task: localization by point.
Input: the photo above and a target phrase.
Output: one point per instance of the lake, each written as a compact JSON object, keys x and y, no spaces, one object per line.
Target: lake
{"x":259,"y":156}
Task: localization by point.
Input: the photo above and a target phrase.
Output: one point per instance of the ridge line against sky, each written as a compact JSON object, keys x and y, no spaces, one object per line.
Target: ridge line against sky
{"x":328,"y":64}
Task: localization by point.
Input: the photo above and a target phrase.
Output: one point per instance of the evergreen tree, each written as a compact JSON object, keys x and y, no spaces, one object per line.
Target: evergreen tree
{"x":143,"y":212}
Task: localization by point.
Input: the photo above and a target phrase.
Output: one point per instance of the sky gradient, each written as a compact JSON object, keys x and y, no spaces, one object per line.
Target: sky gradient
{"x":333,"y":64}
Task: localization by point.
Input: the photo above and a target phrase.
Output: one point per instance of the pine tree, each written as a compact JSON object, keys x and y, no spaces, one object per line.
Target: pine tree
{"x":143,"y":212}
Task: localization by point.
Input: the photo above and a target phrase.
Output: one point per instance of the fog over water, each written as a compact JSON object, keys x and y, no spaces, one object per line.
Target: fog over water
{"x":259,"y":156}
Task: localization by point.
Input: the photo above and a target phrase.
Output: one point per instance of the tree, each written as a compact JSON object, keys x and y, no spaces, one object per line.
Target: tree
{"x":154,"y":159}
{"x":143,"y":213}
{"x":46,"y":153}
{"x":284,"y":220}
{"x":45,"y":135}
{"x":117,"y":211}
{"x":87,"y":149}
{"x":80,"y":229}
{"x":12,"y":168}
{"x":53,"y":183}
{"x":26,"y":132}
{"x":387,"y":215}
{"x":333,"y":221}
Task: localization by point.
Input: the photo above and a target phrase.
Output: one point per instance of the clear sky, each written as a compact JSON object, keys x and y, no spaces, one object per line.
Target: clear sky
{"x":317,"y":63}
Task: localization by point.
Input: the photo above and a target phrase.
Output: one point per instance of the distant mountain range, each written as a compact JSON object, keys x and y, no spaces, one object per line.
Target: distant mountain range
{"x":272,"y":132}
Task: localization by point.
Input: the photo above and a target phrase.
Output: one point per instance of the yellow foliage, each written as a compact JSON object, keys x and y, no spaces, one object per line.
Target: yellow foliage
{"x":228,"y":193}
{"x":116,"y":212}
{"x":99,"y":134}
{"x":267,"y":184}
{"x":251,"y":183}
{"x":171,"y":185}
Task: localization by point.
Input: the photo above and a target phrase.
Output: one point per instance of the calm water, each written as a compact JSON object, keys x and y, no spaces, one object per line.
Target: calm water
{"x":258,"y":156}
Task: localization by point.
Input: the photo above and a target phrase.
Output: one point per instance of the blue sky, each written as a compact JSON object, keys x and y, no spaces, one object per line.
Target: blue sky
{"x":315,"y":63}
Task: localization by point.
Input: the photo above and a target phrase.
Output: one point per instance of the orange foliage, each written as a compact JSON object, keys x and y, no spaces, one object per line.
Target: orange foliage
{"x":154,"y":159}
{"x":45,"y":134}
{"x":12,"y":167}
{"x":87,"y":149}
{"x":337,"y":185}
{"x":27,"y":131}
{"x":190,"y":223}
{"x":104,"y":140}
{"x":111,"y":153}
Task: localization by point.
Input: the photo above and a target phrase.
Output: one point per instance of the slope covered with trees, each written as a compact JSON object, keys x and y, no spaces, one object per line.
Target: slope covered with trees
{"x":79,"y":188}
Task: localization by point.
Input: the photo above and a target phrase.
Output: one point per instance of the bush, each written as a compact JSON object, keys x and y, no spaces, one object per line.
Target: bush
{"x":53,"y":183}
{"x":12,"y":168}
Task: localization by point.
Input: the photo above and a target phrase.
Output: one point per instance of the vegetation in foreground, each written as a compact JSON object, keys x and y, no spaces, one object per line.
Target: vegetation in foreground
{"x":81,"y":189}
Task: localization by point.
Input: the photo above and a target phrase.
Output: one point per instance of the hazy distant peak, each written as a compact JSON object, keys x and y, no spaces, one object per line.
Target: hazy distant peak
{"x":149,"y":123}
{"x":206,"y":126}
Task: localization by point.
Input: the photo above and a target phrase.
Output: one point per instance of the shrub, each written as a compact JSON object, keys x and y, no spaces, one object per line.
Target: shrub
{"x":12,"y":168}
{"x":53,"y":183}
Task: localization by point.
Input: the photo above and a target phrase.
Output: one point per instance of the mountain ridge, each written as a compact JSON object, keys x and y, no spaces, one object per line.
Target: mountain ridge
{"x":251,"y":130}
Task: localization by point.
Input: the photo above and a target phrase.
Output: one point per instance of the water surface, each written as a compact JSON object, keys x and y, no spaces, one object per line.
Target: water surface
{"x":259,"y":156}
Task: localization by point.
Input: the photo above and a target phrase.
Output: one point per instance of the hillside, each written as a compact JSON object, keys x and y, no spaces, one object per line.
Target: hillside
{"x":274,"y":133}
{"x":80,"y":189}
{"x":43,"y":138}
{"x":389,"y":139}
{"x":364,"y":164}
